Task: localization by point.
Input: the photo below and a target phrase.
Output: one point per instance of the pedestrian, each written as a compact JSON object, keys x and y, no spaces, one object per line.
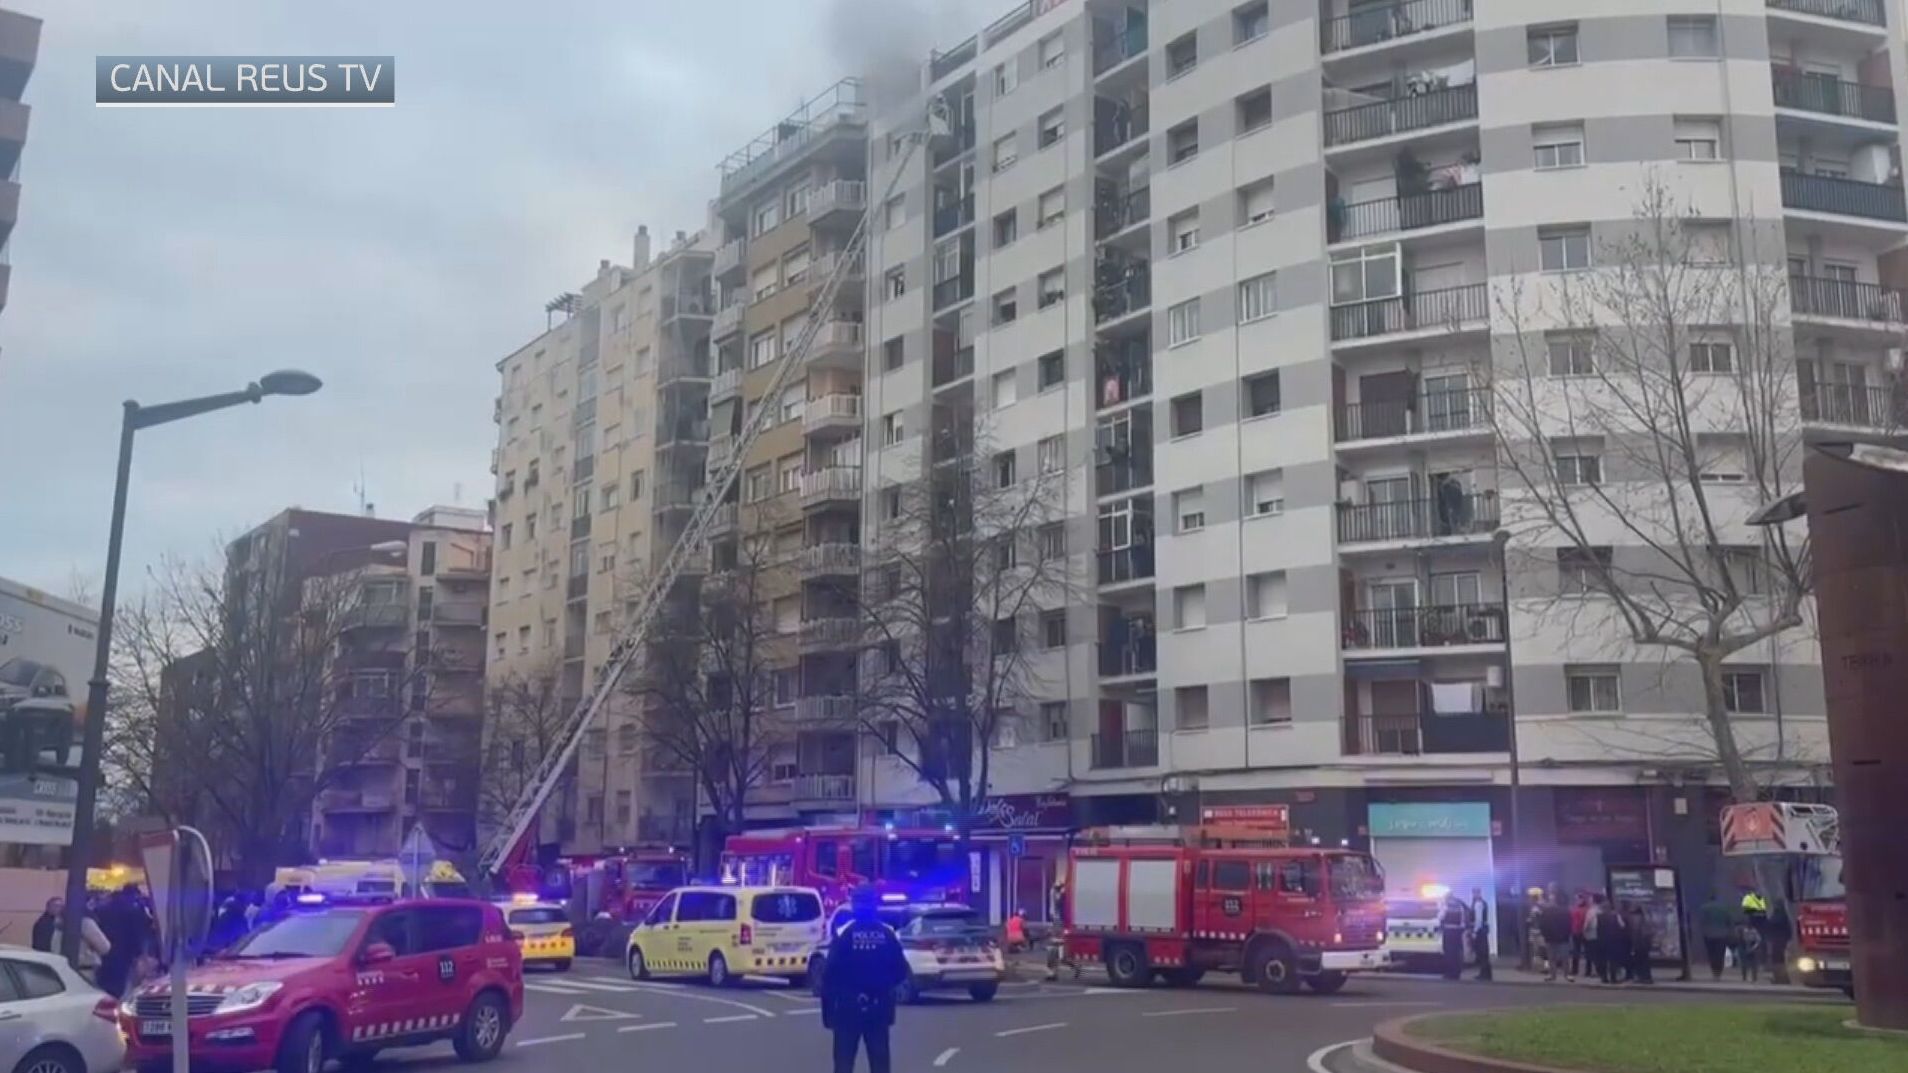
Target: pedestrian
{"x":129,"y":929}
{"x":1016,"y":933}
{"x":1451,"y":925}
{"x":1716,"y":923}
{"x":1592,"y":943}
{"x":865,"y":966}
{"x":46,"y":924}
{"x":1776,"y":942}
{"x":1532,"y":939}
{"x":1057,"y":936}
{"x":1642,"y":934}
{"x":1749,"y":951}
{"x":1579,"y":916}
{"x":94,"y":945}
{"x":1481,"y":932}
{"x":1554,"y":925}
{"x":1613,"y":941}
{"x":229,"y":926}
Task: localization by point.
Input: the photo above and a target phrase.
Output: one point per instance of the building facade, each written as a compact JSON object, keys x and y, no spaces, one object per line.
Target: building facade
{"x":19,"y":50}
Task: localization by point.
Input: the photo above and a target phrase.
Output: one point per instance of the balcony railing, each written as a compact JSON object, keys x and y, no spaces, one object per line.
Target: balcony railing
{"x":953,"y":365}
{"x":1376,"y":119}
{"x":458,"y":613}
{"x":825,"y":709}
{"x":1122,"y":379}
{"x":824,"y":788}
{"x":1121,"y":211}
{"x":1113,"y":477}
{"x":1464,"y":514}
{"x":1132,"y":748}
{"x":721,"y":449}
{"x":842,"y":195}
{"x":834,"y":482}
{"x":1116,"y":124}
{"x":1817,"y":296}
{"x":1119,"y":48}
{"x":825,"y":266}
{"x":829,"y":559}
{"x":724,"y":519}
{"x":1135,"y":655}
{"x":835,"y":338}
{"x":1867,"y":11}
{"x":956,"y":289}
{"x":958,"y":213}
{"x":1808,"y":92}
{"x":1422,"y":415}
{"x":728,"y":258}
{"x":1119,"y":565}
{"x":375,"y":616}
{"x":1127,"y":296}
{"x":1844,"y":197}
{"x":1370,"y":25}
{"x":726,"y":383}
{"x":830,"y":411}
{"x":1424,"y":627}
{"x":1447,"y":308}
{"x":1428,"y":733}
{"x":728,"y":320}
{"x":959,"y":141}
{"x":1857,"y":406}
{"x":830,"y":632}
{"x":1411,"y":212}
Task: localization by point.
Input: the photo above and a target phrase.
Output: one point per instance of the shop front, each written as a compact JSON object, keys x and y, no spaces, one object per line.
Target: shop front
{"x":1427,"y":848}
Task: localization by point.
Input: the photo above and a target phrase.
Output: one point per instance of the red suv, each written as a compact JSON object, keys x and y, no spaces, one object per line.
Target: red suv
{"x":341,"y":982}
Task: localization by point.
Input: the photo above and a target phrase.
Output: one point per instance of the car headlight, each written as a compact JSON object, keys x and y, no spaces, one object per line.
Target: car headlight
{"x":248,"y":997}
{"x":1805,"y":964}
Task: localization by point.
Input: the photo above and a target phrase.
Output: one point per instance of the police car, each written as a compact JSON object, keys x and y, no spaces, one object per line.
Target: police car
{"x":1413,"y":939}
{"x":949,"y":948}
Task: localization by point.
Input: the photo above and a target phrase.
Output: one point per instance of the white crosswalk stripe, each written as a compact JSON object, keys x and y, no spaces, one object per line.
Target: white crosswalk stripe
{"x":593,"y":985}
{"x":555,"y":989}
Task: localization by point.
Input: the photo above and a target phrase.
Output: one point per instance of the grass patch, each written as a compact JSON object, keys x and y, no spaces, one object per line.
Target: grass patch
{"x":1673,"y":1038}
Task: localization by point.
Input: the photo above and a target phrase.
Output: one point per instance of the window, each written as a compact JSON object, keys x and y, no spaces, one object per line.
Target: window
{"x":795,"y":199}
{"x":1553,"y":46}
{"x":1698,"y":139}
{"x":1006,"y":636}
{"x":1005,"y":152}
{"x":1189,"y":607}
{"x":611,"y":496}
{"x":1258,"y":297}
{"x":1592,"y":689}
{"x":1053,"y":719}
{"x":788,"y":473}
{"x":1580,"y":570}
{"x":1250,"y":23}
{"x":1579,"y":469}
{"x":1182,"y":54}
{"x":897,"y":282}
{"x":1182,"y":231}
{"x":1006,"y":307}
{"x":893,"y":353}
{"x":758,"y":484}
{"x":1742,"y":692}
{"x":761,"y":349}
{"x":1006,"y":553}
{"x":1182,"y":142}
{"x":1254,"y":109}
{"x":1265,"y":595}
{"x":1052,"y":369}
{"x":892,"y":430}
{"x":1692,"y":37}
{"x":795,"y":267}
{"x":1053,"y":629}
{"x":1265,"y":493}
{"x":1006,"y":389}
{"x":1189,"y":509}
{"x":1052,"y":50}
{"x":1556,"y":146}
{"x":530,"y":519}
{"x":895,"y":212}
{"x":1182,"y":322}
{"x":1231,"y":875}
{"x":1365,"y":274}
{"x":1004,"y":475}
{"x":456,"y":928}
{"x":767,"y":215}
{"x":1710,"y":244}
{"x":1051,"y":286}
{"x":1571,"y":354}
{"x":36,"y":981}
{"x":1048,"y":454}
{"x":1712,"y":356}
{"x":1271,"y":701}
{"x":1564,"y":249}
{"x":1006,"y":228}
{"x":1053,"y":205}
{"x":504,"y":536}
{"x":1053,"y":127}
{"x":1190,"y":708}
{"x":1188,"y":415}
{"x":1255,"y":202}
{"x":890,"y":503}
{"x":1006,"y":79}
{"x":1052,"y":540}
{"x":1261,"y":395}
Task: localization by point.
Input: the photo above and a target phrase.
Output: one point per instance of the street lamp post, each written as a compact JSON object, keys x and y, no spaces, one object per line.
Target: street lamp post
{"x":93,"y":737}
{"x":1501,"y":539}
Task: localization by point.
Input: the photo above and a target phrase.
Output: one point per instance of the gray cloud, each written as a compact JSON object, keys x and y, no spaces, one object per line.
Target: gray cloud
{"x":396,"y":253}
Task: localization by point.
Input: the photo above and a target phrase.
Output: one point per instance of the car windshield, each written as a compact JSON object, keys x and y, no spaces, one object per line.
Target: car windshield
{"x":449,"y":888}
{"x":304,"y":935}
{"x":919,"y":859}
{"x":656,"y":875}
{"x":539,"y":914}
{"x":947,"y":923}
{"x":1819,"y":879}
{"x":1355,"y":877}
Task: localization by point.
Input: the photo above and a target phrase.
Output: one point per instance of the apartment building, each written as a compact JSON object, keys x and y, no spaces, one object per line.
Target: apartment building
{"x":19,"y":50}
{"x":410,"y":656}
{"x":603,"y":435}
{"x":1248,"y":272}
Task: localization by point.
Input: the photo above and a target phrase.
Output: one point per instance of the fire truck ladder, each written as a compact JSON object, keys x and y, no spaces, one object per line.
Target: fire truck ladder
{"x":630,"y":646}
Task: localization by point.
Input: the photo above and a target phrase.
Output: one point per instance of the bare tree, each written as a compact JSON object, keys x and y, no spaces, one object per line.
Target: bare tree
{"x":524,"y":717}
{"x":956,"y":579}
{"x":1642,"y":409}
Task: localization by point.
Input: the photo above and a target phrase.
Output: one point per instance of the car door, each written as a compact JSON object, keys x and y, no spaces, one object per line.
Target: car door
{"x":694,"y":923}
{"x":384,"y":994}
{"x":19,"y":1031}
{"x":451,"y":941}
{"x":1228,"y":899}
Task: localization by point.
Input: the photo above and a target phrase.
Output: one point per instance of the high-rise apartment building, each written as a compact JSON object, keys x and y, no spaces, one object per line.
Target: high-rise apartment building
{"x":19,"y":50}
{"x":603,"y":434}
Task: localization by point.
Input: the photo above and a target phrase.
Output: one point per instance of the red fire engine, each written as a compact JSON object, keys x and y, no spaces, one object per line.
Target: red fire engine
{"x":1807,"y":840}
{"x":1177,"y":902}
{"x":924,"y":865}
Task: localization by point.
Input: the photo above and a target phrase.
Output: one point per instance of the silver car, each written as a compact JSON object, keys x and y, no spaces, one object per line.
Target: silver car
{"x":52,"y":1020}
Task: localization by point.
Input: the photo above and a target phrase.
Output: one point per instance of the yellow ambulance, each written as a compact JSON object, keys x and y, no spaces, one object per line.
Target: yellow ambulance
{"x":723,"y":933}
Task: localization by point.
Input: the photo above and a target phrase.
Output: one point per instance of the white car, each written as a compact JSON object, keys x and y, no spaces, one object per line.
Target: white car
{"x":52,"y":1020}
{"x":949,"y":948}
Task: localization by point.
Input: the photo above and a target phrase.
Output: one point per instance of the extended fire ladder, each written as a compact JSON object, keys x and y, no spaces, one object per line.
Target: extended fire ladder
{"x":504,"y":846}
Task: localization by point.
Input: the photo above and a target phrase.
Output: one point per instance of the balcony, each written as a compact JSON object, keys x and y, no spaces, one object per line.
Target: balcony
{"x":730,"y":263}
{"x":728,"y":321}
{"x":1840,"y":299}
{"x":829,"y":560}
{"x":357,"y":801}
{"x":956,"y":289}
{"x":1117,"y":125}
{"x":1118,"y":566}
{"x":954,"y":215}
{"x":1125,"y":474}
{"x":838,"y":343}
{"x":1378,"y":119}
{"x":1807,"y":92}
{"x":1412,"y":212}
{"x":723,"y":520}
{"x":1436,"y":413}
{"x":1426,"y":734}
{"x":577,"y":588}
{"x":1867,"y":12}
{"x":1372,"y":25}
{"x":825,"y":709}
{"x":1132,"y":748}
{"x":683,"y":429}
{"x":831,"y":414}
{"x":375,"y":616}
{"x":952,"y":365}
{"x":1130,"y":295}
{"x":830,"y":633}
{"x":359,"y":754}
{"x":725,"y":385}
{"x":1881,"y":409}
{"x":687,"y":304}
{"x":1119,"y":48}
{"x":852,"y":268}
{"x":721,"y":450}
{"x":1121,"y":376}
{"x":959,"y":141}
{"x":1375,"y":628}
{"x":1843,"y":197}
{"x":833,"y":484}
{"x":1449,"y":308}
{"x":459,"y":613}
{"x":1115,"y":212}
{"x":841,"y":107}
{"x":843,"y":200}
{"x":824,"y":789}
{"x":1467,"y":514}
{"x":1134,"y":657}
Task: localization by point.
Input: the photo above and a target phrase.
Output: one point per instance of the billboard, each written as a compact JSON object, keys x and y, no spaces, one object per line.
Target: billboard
{"x":46,"y":654}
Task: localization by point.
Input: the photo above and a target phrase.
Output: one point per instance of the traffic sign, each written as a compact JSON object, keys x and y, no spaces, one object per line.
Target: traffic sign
{"x":1016,"y":845}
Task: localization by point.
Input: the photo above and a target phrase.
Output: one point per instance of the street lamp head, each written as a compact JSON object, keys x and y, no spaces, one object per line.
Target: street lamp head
{"x":289,"y":382}
{"x":1781,"y":512}
{"x":387,"y":547}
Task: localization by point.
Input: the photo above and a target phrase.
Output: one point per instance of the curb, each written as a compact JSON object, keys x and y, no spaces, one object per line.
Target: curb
{"x":1391,"y":1042}
{"x":1680,"y":987}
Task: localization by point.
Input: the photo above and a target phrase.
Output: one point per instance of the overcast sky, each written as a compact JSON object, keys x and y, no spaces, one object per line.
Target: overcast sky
{"x":397,"y":253}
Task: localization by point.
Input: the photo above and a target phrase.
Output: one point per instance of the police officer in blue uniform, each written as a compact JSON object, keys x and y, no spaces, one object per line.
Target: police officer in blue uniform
{"x":865,"y":966}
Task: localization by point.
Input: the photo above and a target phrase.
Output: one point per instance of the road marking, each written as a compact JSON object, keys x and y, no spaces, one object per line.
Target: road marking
{"x":946,"y":1056}
{"x":798,"y":1013}
{"x":594,"y":985}
{"x":554,"y":989}
{"x":549,"y":1039}
{"x":726,"y":1020}
{"x":580,"y":1012}
{"x":1316,"y":1060}
{"x":799,"y":1000}
{"x":1184,"y":1013}
{"x":1356,"y":1005}
{"x":1029,"y":1028}
{"x":648,"y":1027}
{"x":680,"y":992}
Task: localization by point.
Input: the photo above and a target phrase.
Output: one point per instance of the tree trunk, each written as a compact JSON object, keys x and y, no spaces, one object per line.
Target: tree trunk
{"x":1772,"y":873}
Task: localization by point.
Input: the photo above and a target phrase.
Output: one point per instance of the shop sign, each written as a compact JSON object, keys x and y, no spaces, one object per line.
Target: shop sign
{"x":1429,"y":819}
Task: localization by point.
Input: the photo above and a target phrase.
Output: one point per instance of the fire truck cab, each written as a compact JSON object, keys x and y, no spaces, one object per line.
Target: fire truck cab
{"x":1176,"y":903}
{"x":1806,"y":840}
{"x":921,"y":864}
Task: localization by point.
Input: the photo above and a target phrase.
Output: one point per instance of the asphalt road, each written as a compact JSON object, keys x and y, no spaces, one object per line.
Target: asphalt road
{"x":593,"y":1018}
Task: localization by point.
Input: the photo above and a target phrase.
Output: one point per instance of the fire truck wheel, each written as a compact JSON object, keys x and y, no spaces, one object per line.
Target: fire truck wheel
{"x":1126,"y":965}
{"x":1275,"y":969}
{"x":1326,"y":983}
{"x":1182,"y":977}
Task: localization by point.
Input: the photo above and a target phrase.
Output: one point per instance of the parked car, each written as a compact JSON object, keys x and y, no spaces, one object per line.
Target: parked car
{"x":949,"y":948}
{"x":52,"y":1020}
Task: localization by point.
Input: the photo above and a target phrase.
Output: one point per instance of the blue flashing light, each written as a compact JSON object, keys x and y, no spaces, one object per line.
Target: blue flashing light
{"x":947,"y":828}
{"x":888,"y":826}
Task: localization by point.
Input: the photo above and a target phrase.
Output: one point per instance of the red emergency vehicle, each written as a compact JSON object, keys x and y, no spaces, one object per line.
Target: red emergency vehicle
{"x":1806,"y":840}
{"x":1178,"y":902}
{"x":635,"y":881}
{"x":924,"y":865}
